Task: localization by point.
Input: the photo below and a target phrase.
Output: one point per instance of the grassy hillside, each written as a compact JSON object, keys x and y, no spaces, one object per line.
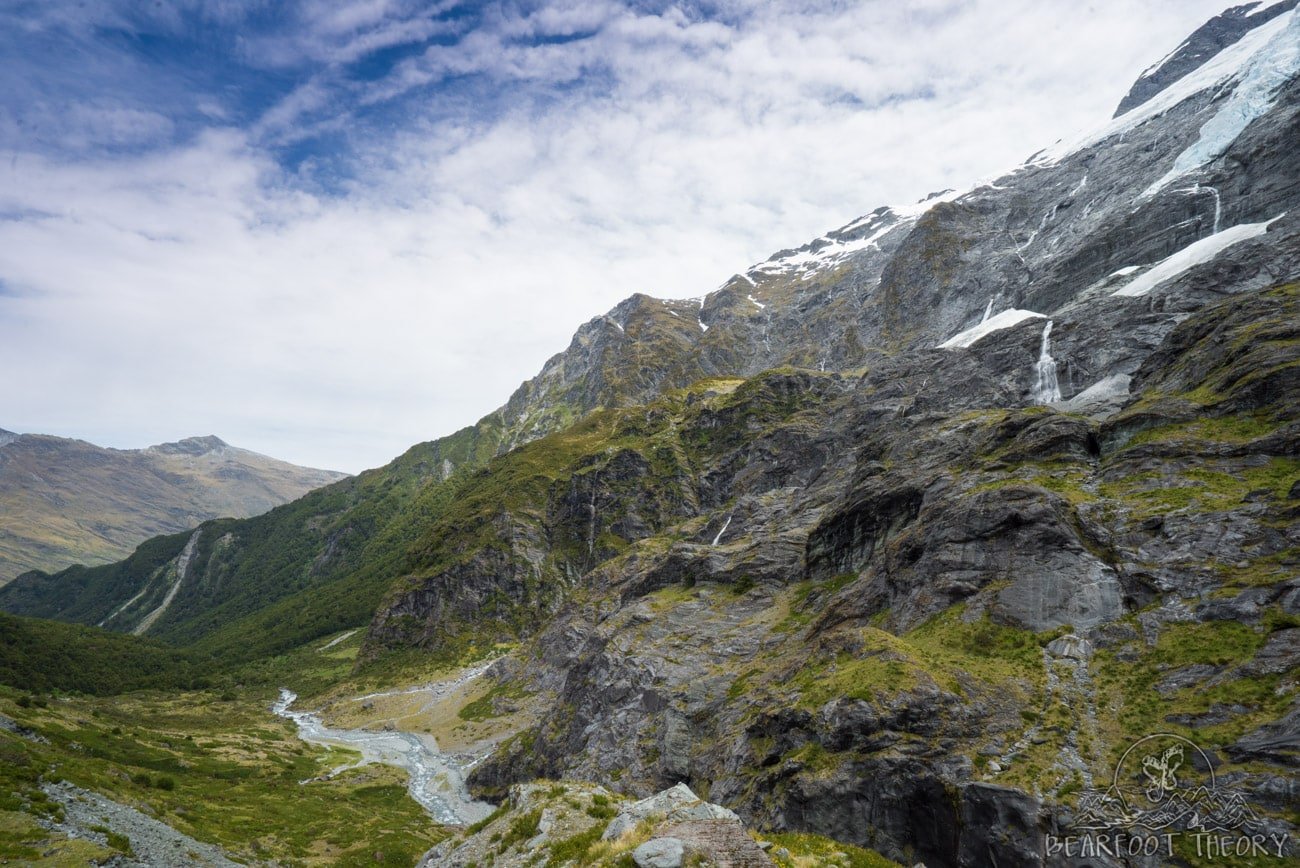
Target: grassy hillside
{"x":41,"y":656}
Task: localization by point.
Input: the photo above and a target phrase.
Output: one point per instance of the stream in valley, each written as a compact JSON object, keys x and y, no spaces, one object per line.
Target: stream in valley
{"x":437,"y":780}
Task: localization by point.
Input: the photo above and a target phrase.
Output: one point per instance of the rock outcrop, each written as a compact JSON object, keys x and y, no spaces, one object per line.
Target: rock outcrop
{"x":569,"y":823}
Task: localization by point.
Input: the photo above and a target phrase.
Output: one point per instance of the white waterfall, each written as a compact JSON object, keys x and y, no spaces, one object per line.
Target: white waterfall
{"x":1218,"y":203}
{"x":1046,"y":388}
{"x":988,"y":311}
{"x":717,"y":539}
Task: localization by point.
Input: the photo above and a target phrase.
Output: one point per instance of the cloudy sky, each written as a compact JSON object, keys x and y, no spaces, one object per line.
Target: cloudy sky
{"x":329,"y":229}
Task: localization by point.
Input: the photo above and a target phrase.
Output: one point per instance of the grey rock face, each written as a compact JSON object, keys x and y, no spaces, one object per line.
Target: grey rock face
{"x":675,"y":804}
{"x":1070,"y":647}
{"x":1280,"y":654}
{"x":1277,"y":743}
{"x":920,"y":500}
{"x":660,"y":853}
{"x":1000,"y":826}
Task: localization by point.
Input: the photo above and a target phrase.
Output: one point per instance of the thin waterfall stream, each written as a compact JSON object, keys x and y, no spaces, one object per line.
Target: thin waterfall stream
{"x":1046,"y":387}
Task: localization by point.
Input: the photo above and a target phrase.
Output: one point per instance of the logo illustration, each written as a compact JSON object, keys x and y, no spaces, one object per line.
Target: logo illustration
{"x":1164,"y":801}
{"x":1164,"y":782}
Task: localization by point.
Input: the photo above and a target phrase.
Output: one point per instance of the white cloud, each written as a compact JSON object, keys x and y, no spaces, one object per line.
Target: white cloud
{"x":202,"y":291}
{"x":341,"y":31}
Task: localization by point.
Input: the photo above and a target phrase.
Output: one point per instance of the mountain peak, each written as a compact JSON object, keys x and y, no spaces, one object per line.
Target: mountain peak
{"x":7,"y":437}
{"x":1205,"y":42}
{"x":192,"y":446}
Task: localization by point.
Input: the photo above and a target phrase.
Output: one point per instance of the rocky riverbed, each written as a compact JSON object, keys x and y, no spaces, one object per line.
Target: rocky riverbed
{"x":436,"y":780}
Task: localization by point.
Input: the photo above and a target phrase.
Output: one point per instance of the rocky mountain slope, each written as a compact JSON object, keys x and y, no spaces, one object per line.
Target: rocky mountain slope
{"x":1044,"y":506}
{"x":904,"y":604}
{"x":900,"y":537}
{"x":1079,"y":233}
{"x":67,"y":501}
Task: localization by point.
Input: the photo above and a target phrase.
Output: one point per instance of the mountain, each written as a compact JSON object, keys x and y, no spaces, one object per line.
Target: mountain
{"x":900,"y":537}
{"x":1204,"y":43}
{"x":66,"y":501}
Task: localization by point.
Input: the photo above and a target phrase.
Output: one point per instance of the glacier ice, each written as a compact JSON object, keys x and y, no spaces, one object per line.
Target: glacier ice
{"x":1261,"y":77}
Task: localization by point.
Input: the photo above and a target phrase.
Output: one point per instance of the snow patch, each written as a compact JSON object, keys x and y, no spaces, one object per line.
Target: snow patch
{"x":1156,"y":67}
{"x":1126,"y":271}
{"x":862,"y":221}
{"x":827,"y":255}
{"x":758,"y":304}
{"x":919,"y":208}
{"x":1194,"y":254}
{"x":1002,"y":320}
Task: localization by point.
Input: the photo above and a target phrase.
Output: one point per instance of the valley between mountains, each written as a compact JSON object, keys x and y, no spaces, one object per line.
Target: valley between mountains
{"x":885,"y":551}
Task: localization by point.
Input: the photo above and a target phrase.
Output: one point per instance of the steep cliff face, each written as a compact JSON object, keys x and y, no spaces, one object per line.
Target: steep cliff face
{"x":1073,"y":269}
{"x":1093,"y":237}
{"x":1063,"y":231}
{"x":907,"y":607}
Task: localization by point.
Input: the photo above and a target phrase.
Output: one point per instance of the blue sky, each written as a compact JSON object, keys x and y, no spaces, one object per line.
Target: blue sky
{"x":328,"y":230}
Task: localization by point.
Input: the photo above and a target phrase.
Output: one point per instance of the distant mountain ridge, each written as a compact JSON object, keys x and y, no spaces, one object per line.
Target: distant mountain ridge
{"x":66,"y":501}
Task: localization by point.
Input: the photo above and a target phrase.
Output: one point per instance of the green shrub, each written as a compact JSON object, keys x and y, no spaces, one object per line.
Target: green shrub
{"x":522,"y":828}
{"x":121,"y":843}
